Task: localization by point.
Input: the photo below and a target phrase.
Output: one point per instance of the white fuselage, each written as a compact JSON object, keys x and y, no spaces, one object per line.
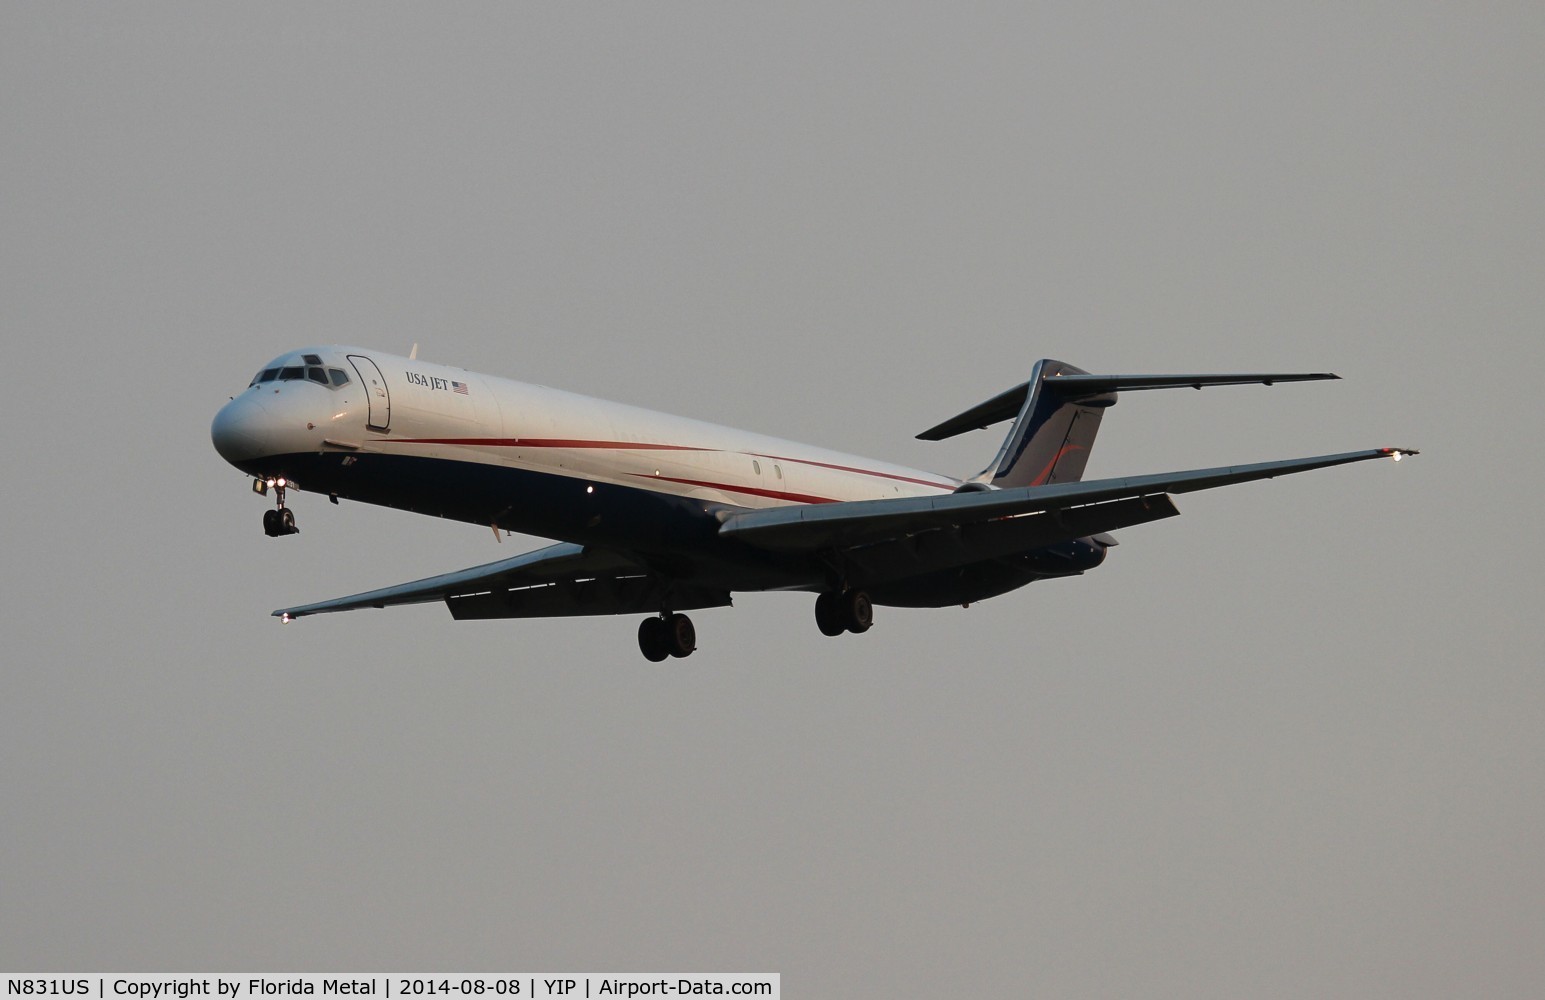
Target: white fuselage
{"x":396,"y":406}
{"x":658,"y":514}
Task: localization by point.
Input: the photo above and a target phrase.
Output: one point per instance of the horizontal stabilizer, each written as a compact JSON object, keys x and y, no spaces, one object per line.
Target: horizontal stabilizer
{"x":1007,"y":405}
{"x":1004,"y":406}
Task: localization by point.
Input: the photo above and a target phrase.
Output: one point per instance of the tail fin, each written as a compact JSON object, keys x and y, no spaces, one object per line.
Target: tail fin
{"x":1050,"y":440}
{"x":1058,"y":414}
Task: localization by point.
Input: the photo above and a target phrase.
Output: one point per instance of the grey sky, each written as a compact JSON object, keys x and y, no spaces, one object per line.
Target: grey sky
{"x":1289,"y":744}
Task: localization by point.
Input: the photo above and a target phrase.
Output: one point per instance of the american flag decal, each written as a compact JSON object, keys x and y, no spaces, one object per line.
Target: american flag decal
{"x":460,"y":387}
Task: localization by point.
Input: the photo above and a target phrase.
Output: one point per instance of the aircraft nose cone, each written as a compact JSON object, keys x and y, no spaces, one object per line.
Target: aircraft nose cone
{"x":240,"y":430}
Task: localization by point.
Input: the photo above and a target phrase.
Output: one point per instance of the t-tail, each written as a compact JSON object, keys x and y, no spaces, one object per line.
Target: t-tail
{"x":1057,"y":414}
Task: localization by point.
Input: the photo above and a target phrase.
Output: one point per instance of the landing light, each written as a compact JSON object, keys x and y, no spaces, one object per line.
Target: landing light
{"x":280,"y":482}
{"x":285,"y":618}
{"x":1399,"y":455}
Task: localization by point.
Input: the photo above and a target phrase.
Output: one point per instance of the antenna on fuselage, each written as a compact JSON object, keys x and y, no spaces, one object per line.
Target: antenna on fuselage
{"x":413,"y":354}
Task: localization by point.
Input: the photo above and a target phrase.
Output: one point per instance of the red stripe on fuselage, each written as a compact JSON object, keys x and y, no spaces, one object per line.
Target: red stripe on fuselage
{"x":862,"y":472}
{"x":645,"y":446}
{"x":546,"y":443}
{"x":729,"y":488}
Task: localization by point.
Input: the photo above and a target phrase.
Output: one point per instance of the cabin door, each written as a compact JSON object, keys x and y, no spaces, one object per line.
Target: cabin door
{"x":377,"y":399}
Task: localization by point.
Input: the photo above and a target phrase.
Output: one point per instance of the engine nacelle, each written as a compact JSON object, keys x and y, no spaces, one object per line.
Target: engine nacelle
{"x":1065,"y":558}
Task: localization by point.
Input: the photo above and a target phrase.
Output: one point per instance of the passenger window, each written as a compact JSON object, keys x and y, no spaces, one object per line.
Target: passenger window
{"x":756,"y":466}
{"x":317,"y":375}
{"x":339,"y":376}
{"x":779,"y":471}
{"x":291,"y":374}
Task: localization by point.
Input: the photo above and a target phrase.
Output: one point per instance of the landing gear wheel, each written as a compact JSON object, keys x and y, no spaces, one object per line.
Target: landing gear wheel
{"x":680,"y":635}
{"x":828,"y":617}
{"x":848,"y":611}
{"x":856,"y":611}
{"x":652,"y":639}
{"x":280,"y":520}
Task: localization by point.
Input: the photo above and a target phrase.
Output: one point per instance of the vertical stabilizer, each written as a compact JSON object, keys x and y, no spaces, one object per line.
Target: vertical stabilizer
{"x":1051,"y":438}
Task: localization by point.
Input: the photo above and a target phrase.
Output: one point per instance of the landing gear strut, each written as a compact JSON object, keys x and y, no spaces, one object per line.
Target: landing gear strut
{"x":281,"y":520}
{"x":667,"y":635}
{"x":847,"y":611}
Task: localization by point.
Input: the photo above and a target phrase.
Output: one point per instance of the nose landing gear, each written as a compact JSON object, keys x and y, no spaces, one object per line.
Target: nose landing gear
{"x":280,"y":520}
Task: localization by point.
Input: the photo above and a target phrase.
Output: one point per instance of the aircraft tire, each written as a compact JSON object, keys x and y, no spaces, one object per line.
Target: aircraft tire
{"x":652,"y":638}
{"x":857,"y":611}
{"x":828,"y":616}
{"x":680,"y":635}
{"x":271,"y":523}
{"x":287,"y":521}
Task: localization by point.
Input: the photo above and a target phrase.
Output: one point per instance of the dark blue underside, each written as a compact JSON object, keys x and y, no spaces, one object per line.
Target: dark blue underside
{"x":676,"y":536}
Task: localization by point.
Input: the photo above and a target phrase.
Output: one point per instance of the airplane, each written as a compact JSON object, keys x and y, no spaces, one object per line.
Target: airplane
{"x":659,"y":515}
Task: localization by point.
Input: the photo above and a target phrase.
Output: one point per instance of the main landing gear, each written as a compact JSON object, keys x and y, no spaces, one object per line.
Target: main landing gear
{"x":666,"y":635}
{"x":847,"y":611}
{"x":281,"y":520}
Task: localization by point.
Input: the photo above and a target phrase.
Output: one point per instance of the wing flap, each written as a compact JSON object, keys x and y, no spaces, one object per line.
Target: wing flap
{"x":555,"y":563}
{"x":821,"y":526}
{"x":598,"y":596}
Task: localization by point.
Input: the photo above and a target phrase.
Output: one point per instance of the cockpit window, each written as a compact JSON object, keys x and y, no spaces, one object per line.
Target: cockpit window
{"x":311,"y":359}
{"x":329,"y":378}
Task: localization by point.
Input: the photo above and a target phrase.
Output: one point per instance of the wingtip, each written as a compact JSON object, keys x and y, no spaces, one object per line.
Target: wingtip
{"x":1398,"y":453}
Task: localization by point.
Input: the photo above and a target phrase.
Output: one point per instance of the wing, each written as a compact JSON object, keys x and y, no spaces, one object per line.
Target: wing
{"x":1088,"y":507}
{"x":556,"y":581}
{"x":567,"y":579}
